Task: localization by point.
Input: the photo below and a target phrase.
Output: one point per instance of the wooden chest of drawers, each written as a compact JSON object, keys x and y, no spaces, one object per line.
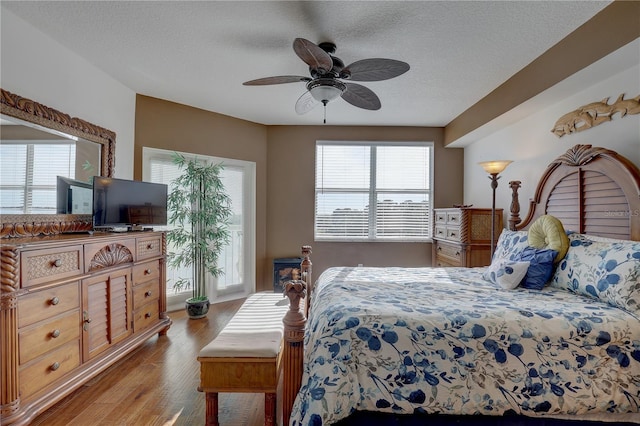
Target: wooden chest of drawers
{"x":462,"y":236}
{"x":70,"y":306}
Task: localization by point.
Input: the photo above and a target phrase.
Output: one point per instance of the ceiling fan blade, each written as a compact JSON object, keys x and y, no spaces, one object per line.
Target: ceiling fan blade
{"x":375,"y":69}
{"x":306,"y":103}
{"x":360,"y":96}
{"x":313,"y":55}
{"x":276,"y":80}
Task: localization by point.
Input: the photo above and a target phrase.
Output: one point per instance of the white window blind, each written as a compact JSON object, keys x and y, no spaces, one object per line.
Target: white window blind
{"x":28,"y":175}
{"x":373,"y":191}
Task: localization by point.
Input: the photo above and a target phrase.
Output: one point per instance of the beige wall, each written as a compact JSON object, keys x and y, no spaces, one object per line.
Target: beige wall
{"x":290,"y":205}
{"x":285,"y":159}
{"x":167,"y":125}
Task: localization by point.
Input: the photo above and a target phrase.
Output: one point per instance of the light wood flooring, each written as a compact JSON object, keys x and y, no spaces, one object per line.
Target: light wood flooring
{"x":157,"y":383}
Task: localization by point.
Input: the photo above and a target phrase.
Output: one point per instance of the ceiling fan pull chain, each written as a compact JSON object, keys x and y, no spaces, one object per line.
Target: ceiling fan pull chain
{"x":325,"y":112}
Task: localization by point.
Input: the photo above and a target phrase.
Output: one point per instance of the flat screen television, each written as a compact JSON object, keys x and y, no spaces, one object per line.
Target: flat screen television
{"x":73,"y":196}
{"x":131,"y":203}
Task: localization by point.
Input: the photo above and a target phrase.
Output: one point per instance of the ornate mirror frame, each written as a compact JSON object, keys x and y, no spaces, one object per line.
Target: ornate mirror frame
{"x":31,"y":225}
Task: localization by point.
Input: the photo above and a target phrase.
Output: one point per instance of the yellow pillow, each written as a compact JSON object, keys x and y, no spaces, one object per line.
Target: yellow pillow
{"x":547,"y":232}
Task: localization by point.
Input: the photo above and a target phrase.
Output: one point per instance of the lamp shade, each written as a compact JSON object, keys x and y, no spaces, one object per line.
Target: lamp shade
{"x":325,"y":93}
{"x":495,"y":166}
{"x":325,"y":89}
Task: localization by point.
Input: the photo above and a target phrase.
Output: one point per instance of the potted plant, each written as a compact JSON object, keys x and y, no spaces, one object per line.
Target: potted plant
{"x":200,"y":210}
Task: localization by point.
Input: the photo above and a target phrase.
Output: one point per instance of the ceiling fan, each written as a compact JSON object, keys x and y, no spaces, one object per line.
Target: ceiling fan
{"x":328,"y":71}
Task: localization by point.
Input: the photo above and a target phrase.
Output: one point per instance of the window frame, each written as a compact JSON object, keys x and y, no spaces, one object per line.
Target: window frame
{"x":373,"y":192}
{"x":175,"y":300}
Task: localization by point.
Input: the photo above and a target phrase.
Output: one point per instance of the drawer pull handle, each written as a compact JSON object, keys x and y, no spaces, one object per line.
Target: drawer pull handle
{"x":439,"y":248}
{"x":54,"y":301}
{"x":149,"y":246}
{"x":147,"y":294}
{"x":55,"y":333}
{"x":55,"y":366}
{"x":147,"y":315}
{"x":457,"y":253}
{"x":453,"y":234}
{"x":57,"y":263}
{"x":147,"y":271}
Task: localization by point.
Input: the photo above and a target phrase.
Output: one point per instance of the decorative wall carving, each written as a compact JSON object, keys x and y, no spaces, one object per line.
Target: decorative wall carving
{"x":595,"y":113}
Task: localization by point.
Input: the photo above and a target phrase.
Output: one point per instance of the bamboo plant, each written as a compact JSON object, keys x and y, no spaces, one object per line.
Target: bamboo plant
{"x":200,"y":210}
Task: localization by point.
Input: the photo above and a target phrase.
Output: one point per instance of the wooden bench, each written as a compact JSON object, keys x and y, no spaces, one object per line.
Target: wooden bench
{"x":245,"y":356}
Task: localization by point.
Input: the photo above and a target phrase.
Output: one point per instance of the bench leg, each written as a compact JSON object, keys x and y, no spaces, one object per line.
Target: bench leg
{"x":269,"y":409}
{"x":211,"y":409}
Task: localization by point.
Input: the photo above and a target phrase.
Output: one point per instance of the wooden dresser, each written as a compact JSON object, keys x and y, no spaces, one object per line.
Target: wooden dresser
{"x":462,"y":236}
{"x":70,"y":306}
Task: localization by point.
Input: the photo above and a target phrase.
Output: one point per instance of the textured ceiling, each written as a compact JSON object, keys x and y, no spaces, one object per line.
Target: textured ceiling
{"x":199,"y":53}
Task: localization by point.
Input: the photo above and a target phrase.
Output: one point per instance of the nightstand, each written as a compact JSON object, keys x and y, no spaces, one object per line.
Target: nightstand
{"x":462,"y":236}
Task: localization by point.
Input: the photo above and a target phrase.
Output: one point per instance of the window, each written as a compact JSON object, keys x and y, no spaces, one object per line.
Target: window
{"x":237,"y":260}
{"x":370,"y":191}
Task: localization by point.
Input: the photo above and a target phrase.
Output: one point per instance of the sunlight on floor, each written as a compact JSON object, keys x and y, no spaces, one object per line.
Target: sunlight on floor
{"x":173,"y":419}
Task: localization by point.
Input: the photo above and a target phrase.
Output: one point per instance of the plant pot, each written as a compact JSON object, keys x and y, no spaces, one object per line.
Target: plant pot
{"x":197,"y":308}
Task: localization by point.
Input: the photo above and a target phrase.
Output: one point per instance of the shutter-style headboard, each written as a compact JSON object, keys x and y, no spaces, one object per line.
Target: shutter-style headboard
{"x":591,"y":190}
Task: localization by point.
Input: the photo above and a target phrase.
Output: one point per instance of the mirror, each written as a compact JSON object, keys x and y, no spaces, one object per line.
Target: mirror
{"x":84,"y":148}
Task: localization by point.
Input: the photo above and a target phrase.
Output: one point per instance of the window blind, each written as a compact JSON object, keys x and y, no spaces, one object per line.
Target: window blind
{"x":373,"y":191}
{"x":28,"y":175}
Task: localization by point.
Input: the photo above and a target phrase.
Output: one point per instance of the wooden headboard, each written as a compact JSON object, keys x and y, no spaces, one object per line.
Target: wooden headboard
{"x":591,"y":190}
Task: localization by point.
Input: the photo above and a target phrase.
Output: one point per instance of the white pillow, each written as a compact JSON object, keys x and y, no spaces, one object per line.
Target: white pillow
{"x":506,"y":273}
{"x":603,"y":268}
{"x":510,"y":244}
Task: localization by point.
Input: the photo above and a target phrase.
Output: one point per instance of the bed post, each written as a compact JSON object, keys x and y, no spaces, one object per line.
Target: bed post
{"x":294,"y":324}
{"x":292,"y":351}
{"x":514,"y":219}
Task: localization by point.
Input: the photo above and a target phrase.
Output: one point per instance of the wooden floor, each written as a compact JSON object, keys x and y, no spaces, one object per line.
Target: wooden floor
{"x":157,"y":383}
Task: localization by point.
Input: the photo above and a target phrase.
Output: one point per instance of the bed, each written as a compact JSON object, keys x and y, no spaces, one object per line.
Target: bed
{"x":462,"y":344}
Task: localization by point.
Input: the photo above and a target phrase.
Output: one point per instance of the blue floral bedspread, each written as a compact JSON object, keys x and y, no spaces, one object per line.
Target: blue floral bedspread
{"x":443,"y":340}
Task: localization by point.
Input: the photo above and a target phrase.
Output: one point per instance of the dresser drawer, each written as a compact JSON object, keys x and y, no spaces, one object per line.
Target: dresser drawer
{"x":440,"y":231}
{"x":454,"y":217}
{"x":453,"y":233}
{"x":48,"y":368}
{"x":440,"y":217}
{"x":449,"y":252}
{"x":106,"y":254}
{"x":144,"y":293}
{"x":442,"y":262}
{"x":35,"y":341}
{"x":46,"y":303}
{"x":145,"y":316}
{"x":145,"y":272}
{"x":149,"y":247}
{"x":46,"y":265}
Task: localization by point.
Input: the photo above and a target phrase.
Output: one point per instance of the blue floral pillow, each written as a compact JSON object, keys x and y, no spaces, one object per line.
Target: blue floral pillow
{"x":506,"y":273}
{"x":541,"y":262}
{"x":608,"y":270}
{"x":510,"y":244}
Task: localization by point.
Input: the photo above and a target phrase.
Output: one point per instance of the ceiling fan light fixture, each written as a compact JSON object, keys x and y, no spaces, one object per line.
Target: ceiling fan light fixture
{"x":326,"y":90}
